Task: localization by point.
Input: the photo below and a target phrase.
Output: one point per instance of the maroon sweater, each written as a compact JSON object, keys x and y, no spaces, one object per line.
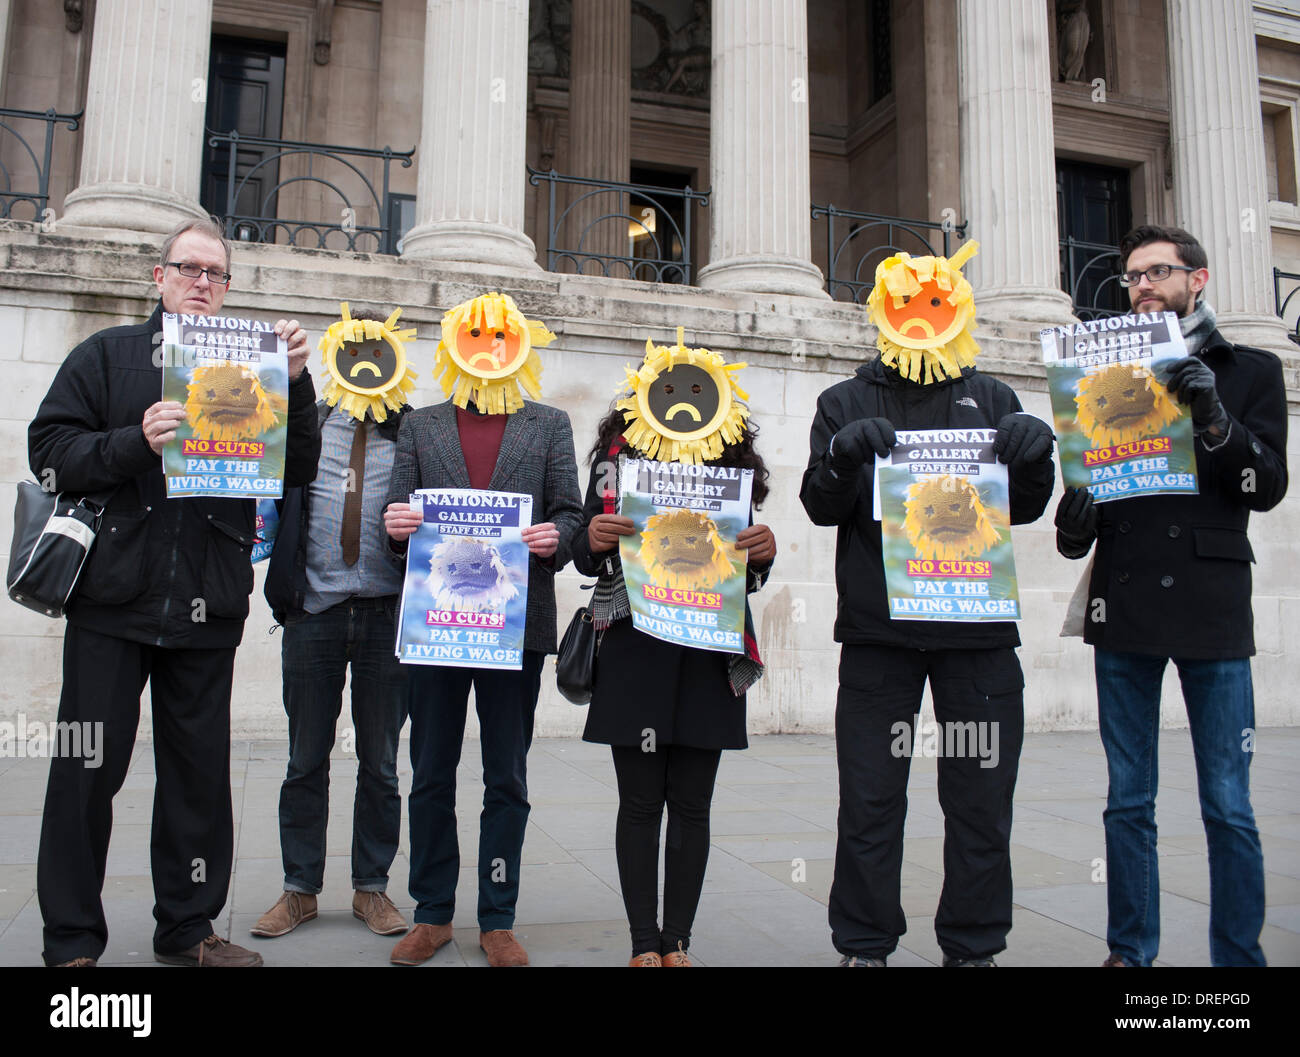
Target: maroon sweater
{"x":480,"y":440}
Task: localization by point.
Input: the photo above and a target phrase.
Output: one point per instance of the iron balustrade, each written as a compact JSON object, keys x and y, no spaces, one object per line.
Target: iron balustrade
{"x":11,"y":185}
{"x":1282,"y":302}
{"x":871,"y":249}
{"x":264,"y":227}
{"x":1094,"y":289}
{"x":669,"y":252}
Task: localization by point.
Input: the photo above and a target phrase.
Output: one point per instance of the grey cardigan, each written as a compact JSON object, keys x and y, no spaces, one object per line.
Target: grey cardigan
{"x":536,"y":458}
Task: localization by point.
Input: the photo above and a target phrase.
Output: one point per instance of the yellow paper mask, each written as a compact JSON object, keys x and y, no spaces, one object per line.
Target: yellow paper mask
{"x":367,"y":365}
{"x":682,"y":549}
{"x":947,"y":520}
{"x":226,"y":401}
{"x":684,"y":404}
{"x":1123,"y":403}
{"x":924,"y":310}
{"x":488,"y":350}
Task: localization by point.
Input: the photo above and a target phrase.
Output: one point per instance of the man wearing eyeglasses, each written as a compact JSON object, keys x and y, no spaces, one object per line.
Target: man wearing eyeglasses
{"x":1171,"y":581}
{"x":137,"y":618}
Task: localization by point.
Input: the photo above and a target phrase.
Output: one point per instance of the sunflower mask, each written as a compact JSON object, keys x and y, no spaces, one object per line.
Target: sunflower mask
{"x":1122,"y":403}
{"x":367,"y":365}
{"x":488,"y":350}
{"x":947,"y":520}
{"x":924,"y":310}
{"x":683,"y":405}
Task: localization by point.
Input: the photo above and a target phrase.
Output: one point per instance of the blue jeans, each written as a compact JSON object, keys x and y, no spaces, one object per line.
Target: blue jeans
{"x":506,"y":702}
{"x":1221,"y":713}
{"x":315,"y":654}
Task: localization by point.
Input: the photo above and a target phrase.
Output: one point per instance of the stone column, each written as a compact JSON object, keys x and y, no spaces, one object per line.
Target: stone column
{"x":600,"y":119}
{"x":759,"y":209}
{"x":1008,"y":176}
{"x":145,"y":105}
{"x":1220,"y":188}
{"x":470,"y":199}
{"x":6,"y":7}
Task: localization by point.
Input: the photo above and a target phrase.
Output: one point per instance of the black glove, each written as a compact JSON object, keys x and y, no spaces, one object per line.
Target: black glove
{"x":1192,"y":382}
{"x":1023,"y":439}
{"x":859,"y":443}
{"x":1076,"y":519}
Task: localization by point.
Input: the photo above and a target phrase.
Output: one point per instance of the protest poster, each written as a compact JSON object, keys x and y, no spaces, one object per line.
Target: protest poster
{"x":232,"y":376}
{"x":267,"y":527}
{"x":465,"y":597}
{"x":1120,"y":432}
{"x":685,"y":578}
{"x":945,"y":511}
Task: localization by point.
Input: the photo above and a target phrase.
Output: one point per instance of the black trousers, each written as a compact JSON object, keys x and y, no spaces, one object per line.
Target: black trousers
{"x":875,"y":714}
{"x":682,"y":778}
{"x":193,"y":834}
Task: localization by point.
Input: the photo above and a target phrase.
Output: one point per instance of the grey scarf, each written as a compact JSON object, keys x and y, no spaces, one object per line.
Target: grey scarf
{"x":1197,"y":326}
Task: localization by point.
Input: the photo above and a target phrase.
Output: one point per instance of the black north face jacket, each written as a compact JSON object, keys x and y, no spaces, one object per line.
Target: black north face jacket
{"x":973,"y":401}
{"x":155,"y":558}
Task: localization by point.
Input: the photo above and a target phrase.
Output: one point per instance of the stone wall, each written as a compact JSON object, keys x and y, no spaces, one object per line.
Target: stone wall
{"x":56,"y":289}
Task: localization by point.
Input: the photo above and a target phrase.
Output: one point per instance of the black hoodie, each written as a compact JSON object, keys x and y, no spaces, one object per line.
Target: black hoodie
{"x":970,"y":402}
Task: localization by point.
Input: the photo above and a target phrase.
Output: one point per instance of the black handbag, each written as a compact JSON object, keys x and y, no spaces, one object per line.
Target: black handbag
{"x":53,"y":535}
{"x":575,"y":664}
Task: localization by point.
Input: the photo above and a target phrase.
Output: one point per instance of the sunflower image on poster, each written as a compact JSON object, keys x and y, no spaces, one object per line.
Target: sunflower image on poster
{"x":227,"y":401}
{"x":1119,"y":431}
{"x":465,"y":592}
{"x":682,"y":549}
{"x":1122,"y":403}
{"x":946,"y":543}
{"x":685,"y":577}
{"x":468,"y":575}
{"x":232,"y":439}
{"x":946,"y":518}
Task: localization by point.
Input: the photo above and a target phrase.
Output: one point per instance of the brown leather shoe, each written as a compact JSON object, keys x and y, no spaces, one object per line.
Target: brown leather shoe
{"x":645,"y":961}
{"x":420,"y":944}
{"x":1114,"y":961}
{"x":502,"y":949}
{"x":677,"y":959}
{"x":290,"y":911}
{"x":77,"y":963}
{"x":213,"y":952}
{"x":378,"y":912}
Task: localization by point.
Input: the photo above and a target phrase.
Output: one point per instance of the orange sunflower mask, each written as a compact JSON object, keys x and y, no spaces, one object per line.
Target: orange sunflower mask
{"x":924,"y":310}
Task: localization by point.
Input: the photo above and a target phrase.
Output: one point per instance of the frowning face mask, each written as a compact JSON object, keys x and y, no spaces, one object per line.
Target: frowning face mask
{"x":683,"y":404}
{"x":924,"y":310}
{"x":367,"y":365}
{"x":488,"y":352}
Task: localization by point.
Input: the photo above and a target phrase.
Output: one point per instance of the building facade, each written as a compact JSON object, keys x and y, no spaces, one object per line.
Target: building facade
{"x":625,"y":167}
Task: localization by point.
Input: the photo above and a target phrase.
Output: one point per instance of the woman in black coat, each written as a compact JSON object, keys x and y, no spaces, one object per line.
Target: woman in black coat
{"x":666,"y":710}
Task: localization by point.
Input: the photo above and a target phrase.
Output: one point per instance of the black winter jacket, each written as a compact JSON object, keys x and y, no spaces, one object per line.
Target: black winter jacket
{"x":1173,"y":571}
{"x":155,"y":558}
{"x":973,"y":401}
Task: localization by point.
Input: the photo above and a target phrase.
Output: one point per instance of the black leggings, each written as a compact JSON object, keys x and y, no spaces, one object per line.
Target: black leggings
{"x":683,"y":778}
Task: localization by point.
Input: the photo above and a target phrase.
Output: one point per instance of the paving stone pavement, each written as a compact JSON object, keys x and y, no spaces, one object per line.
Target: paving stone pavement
{"x":764,"y":900}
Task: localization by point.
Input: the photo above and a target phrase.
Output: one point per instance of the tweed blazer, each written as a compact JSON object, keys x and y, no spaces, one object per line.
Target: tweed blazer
{"x":536,"y":458}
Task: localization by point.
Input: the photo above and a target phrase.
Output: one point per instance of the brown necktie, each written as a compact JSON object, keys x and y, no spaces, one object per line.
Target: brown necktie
{"x":356,"y":485}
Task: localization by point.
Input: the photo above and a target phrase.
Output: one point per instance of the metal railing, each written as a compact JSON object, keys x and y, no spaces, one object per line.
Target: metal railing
{"x":265,"y":225}
{"x":664,"y":255}
{"x":1090,"y":275}
{"x":870,"y":238}
{"x":1282,"y":302}
{"x":16,"y":187}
